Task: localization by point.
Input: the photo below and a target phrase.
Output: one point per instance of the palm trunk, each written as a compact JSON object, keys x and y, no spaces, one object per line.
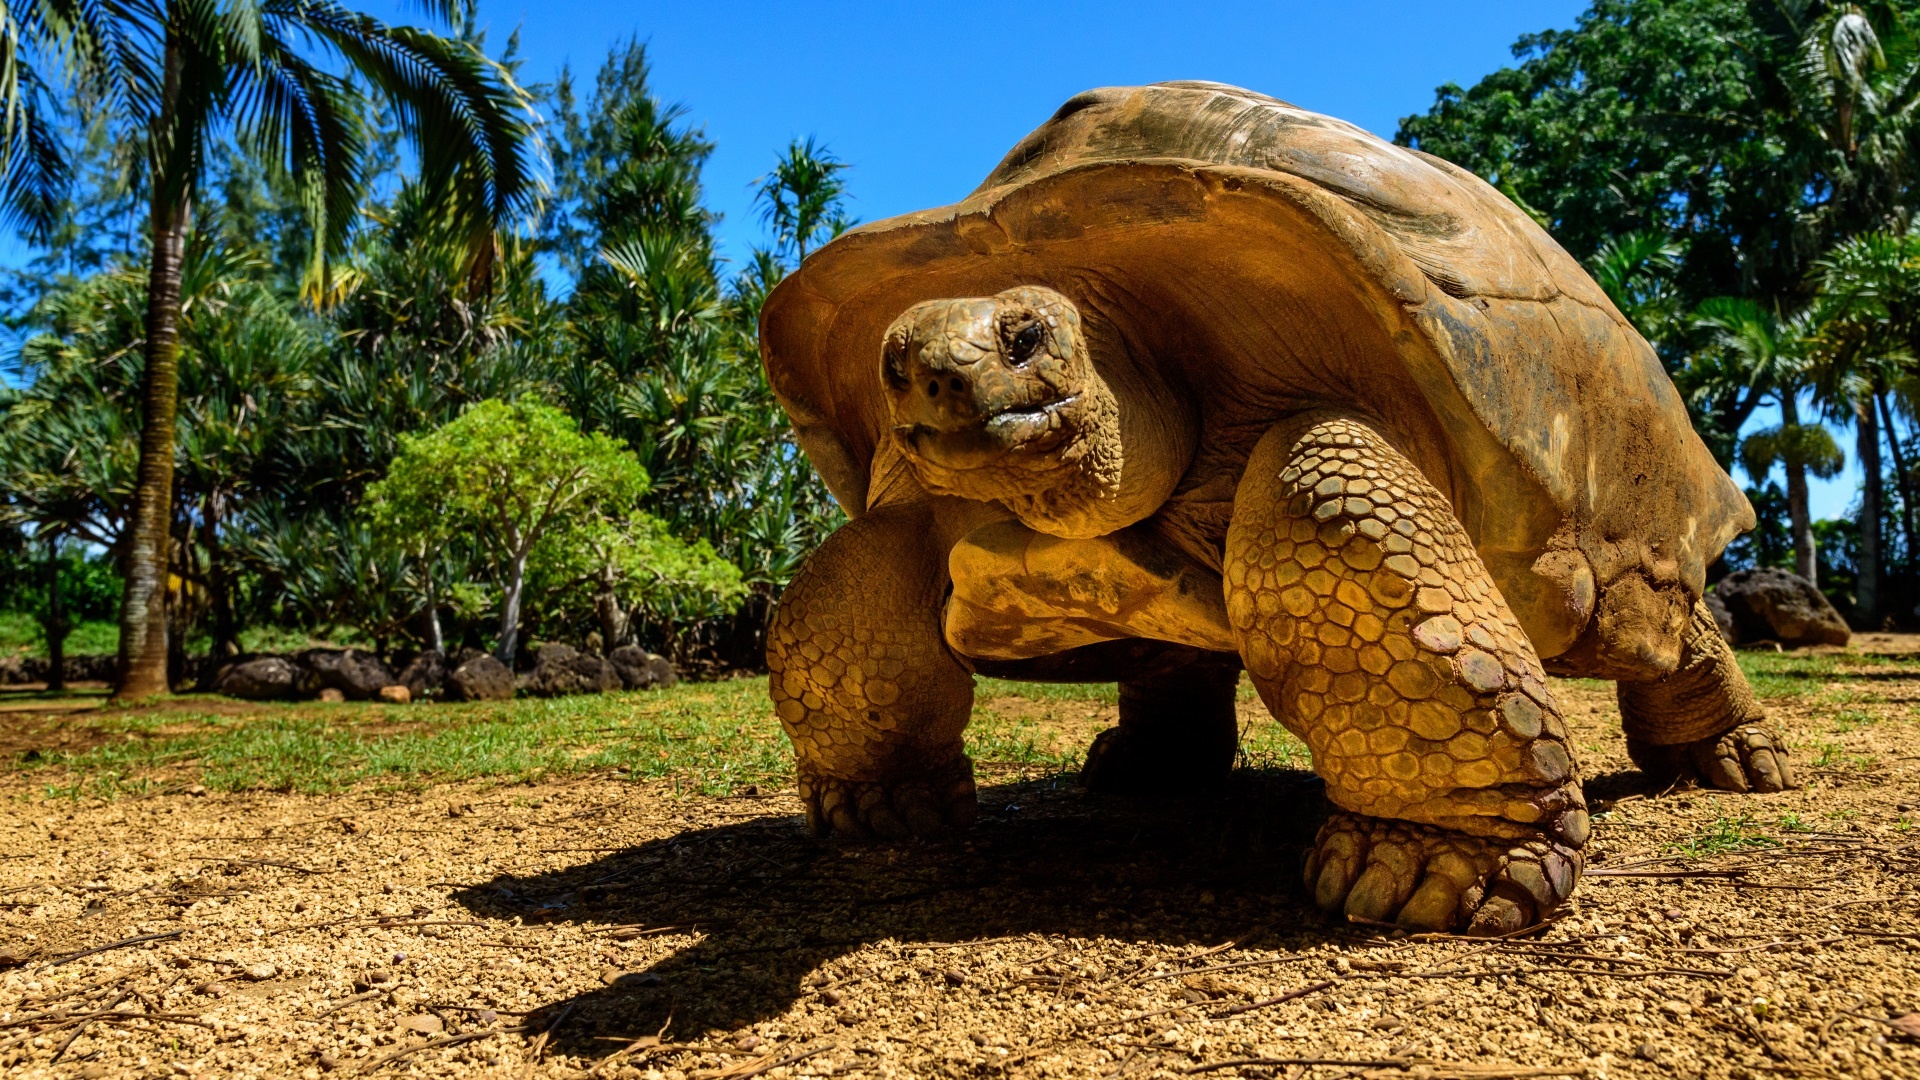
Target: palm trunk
{"x":1903,"y":478}
{"x":225,"y":634}
{"x":55,"y":627}
{"x":143,"y":611}
{"x":510,"y":611}
{"x":1806,"y":561}
{"x":1866,"y":592}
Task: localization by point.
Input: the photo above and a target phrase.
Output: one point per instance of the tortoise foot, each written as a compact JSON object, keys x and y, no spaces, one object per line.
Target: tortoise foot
{"x":1123,"y":761}
{"x":1429,"y":878}
{"x":925,"y":805}
{"x":1751,"y":757}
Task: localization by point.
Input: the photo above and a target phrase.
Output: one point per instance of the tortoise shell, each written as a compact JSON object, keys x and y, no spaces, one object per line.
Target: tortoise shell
{"x":1278,"y":259}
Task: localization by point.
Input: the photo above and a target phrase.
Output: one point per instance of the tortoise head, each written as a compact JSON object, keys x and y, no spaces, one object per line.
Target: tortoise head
{"x":1018,"y":398}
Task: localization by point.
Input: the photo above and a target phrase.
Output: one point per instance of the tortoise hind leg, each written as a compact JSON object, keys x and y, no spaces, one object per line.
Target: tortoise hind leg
{"x":1178,"y":731}
{"x":1702,"y":723}
{"x":1374,"y":632}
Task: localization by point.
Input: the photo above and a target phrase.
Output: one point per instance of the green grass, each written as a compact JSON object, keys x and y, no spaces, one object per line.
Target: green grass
{"x":20,"y":633}
{"x":1267,"y":745}
{"x":1726,"y":834}
{"x":713,"y":738}
{"x":710,"y":738}
{"x":1090,"y":693}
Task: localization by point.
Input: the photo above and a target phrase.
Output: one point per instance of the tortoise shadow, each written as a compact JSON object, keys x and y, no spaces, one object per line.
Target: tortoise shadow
{"x":774,"y":903}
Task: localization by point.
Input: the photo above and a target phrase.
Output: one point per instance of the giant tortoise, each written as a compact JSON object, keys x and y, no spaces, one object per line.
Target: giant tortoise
{"x":1195,"y":380}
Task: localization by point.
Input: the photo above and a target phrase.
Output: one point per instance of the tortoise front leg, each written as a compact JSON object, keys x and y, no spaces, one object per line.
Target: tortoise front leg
{"x":1374,"y":632}
{"x":865,"y":686}
{"x":1702,"y":723}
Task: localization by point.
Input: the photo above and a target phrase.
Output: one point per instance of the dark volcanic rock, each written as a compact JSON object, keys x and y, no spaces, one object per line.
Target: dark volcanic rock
{"x":482,"y":678}
{"x":562,"y":669}
{"x":1722,"y":618}
{"x":1769,"y":604}
{"x":424,"y":675}
{"x":641,"y":670}
{"x":83,"y":667}
{"x":357,"y":674}
{"x":266,"y":678}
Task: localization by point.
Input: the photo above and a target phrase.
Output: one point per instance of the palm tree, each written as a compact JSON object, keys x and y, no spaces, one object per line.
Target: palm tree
{"x":1869,"y":336}
{"x":1771,"y":355}
{"x":1855,"y":91}
{"x":801,"y":198}
{"x":1636,"y":271}
{"x":182,"y":75}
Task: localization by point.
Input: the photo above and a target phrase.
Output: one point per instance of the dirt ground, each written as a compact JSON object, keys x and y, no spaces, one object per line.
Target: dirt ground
{"x":608,"y":927}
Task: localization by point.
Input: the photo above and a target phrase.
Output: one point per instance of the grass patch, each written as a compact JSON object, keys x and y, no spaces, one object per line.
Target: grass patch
{"x":20,"y":633}
{"x":1849,"y":719}
{"x":1724,"y":835}
{"x":1268,"y":745}
{"x":713,"y":738}
{"x":1047,"y":692}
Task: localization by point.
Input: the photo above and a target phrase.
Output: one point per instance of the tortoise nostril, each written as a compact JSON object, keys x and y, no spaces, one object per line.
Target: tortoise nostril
{"x":933,"y":388}
{"x":954,"y":384}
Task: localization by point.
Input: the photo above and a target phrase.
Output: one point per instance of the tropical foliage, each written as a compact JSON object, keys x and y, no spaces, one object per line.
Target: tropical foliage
{"x":1740,"y":177}
{"x":603,"y":327}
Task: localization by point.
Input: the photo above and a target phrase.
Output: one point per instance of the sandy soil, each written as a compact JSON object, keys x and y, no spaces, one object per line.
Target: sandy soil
{"x":608,"y":927}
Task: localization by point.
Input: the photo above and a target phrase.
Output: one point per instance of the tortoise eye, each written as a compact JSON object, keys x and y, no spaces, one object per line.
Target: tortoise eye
{"x":1026,"y":341}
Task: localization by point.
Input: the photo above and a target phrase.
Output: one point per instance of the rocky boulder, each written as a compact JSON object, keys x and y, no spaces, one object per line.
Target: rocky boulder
{"x":641,"y":670}
{"x":357,"y":674}
{"x":1722,"y":618}
{"x":266,"y":678}
{"x":562,"y":669}
{"x":1775,"y":605}
{"x":424,"y":675}
{"x":483,"y":678}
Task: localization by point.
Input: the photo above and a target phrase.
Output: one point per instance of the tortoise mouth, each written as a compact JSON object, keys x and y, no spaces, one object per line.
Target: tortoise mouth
{"x":1023,"y":429}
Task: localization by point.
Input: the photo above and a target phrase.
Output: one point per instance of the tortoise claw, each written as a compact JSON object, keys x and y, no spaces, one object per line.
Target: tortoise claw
{"x":920,"y":806}
{"x":1430,"y":878}
{"x":1749,"y":758}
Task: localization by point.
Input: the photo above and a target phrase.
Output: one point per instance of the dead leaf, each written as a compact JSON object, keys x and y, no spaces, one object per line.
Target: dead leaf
{"x":423,"y":1024}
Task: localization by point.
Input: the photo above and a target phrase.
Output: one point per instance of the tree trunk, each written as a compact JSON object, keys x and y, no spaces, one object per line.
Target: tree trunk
{"x":1867,"y":444}
{"x":1806,"y":560}
{"x":226,"y":636}
{"x":143,"y":608}
{"x":55,"y":626}
{"x":614,"y":621}
{"x":143,"y":611}
{"x":1903,"y":478}
{"x":510,"y":611}
{"x":435,"y":640}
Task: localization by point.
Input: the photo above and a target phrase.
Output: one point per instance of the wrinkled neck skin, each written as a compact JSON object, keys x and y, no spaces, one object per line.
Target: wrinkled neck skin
{"x":1134,"y":436}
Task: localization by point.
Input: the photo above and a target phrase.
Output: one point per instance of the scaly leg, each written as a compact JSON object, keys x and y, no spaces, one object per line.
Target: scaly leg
{"x":1702,"y":723}
{"x":865,"y":686}
{"x":1178,"y":731}
{"x":1375,"y":633}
